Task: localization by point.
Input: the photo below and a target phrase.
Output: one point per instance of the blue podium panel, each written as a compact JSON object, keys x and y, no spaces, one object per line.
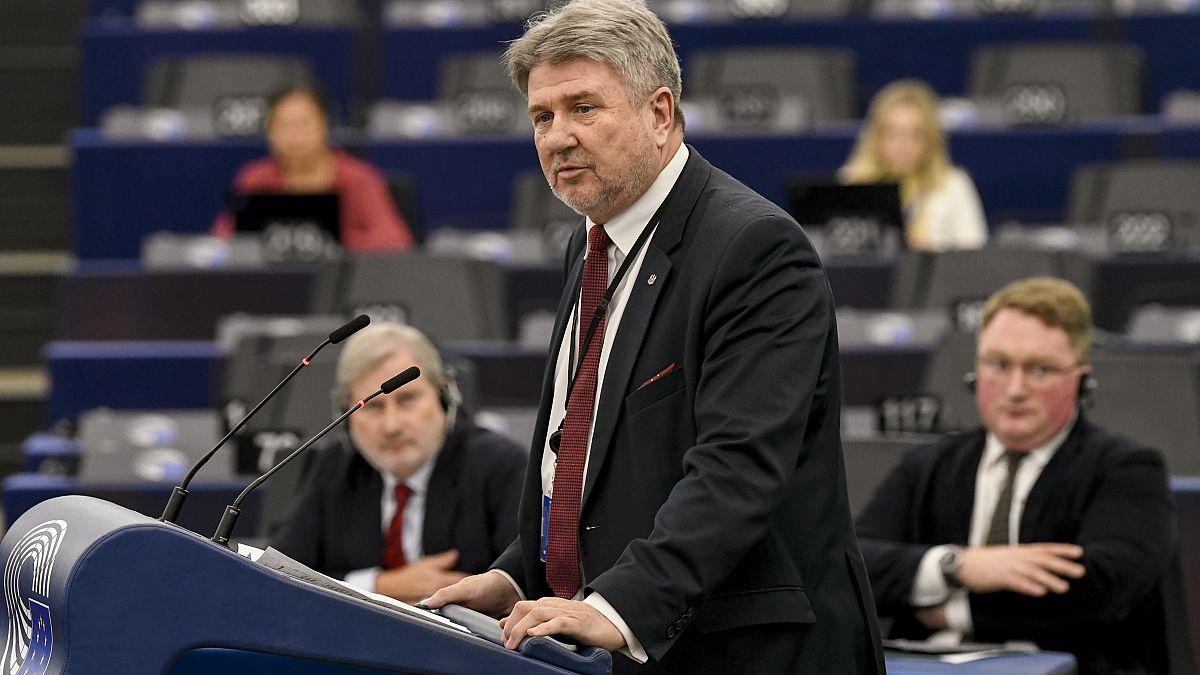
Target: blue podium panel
{"x":130,"y":375}
{"x":208,"y":660}
{"x":117,"y":54}
{"x":93,"y":588}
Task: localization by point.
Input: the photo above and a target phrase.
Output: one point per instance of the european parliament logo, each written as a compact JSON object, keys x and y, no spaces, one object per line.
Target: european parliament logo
{"x":29,"y":638}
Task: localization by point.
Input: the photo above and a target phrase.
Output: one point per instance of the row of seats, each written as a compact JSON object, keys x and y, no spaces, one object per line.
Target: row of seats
{"x":203,"y":13}
{"x":1147,"y":391}
{"x":770,"y":88}
{"x":360,"y":65}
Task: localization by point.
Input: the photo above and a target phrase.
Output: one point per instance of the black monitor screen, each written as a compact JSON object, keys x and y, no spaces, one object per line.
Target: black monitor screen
{"x":855,"y":218}
{"x":293,"y":227}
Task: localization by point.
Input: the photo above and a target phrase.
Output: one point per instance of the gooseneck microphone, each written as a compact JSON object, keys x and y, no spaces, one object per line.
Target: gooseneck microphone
{"x":179,"y":494}
{"x":225,"y":528}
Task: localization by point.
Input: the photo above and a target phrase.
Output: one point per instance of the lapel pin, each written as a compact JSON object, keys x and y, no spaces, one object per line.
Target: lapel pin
{"x":653,"y":278}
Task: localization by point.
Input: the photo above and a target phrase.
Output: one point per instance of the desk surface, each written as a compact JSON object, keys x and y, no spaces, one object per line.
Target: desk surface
{"x":210,"y":660}
{"x":1045,"y":663}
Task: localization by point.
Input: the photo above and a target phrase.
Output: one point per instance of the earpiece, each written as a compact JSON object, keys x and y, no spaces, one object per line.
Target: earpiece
{"x":968,"y":379}
{"x":1087,"y":391}
{"x":449,"y":394}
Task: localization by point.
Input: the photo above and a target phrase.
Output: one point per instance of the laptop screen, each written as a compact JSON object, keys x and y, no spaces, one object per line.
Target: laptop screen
{"x":292,"y":227}
{"x":855,"y":219}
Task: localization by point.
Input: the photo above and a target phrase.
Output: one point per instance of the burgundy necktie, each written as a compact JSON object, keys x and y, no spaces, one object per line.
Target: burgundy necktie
{"x":562,"y":547}
{"x":393,"y":545}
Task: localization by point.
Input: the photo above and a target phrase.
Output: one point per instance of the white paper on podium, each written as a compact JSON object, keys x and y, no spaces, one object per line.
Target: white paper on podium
{"x":276,"y":560}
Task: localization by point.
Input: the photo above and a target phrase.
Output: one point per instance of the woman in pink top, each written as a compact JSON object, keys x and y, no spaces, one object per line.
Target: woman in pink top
{"x":301,"y":161}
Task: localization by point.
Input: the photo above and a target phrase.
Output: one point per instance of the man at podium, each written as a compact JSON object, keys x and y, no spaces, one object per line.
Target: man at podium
{"x":685,"y":504}
{"x":416,"y":495}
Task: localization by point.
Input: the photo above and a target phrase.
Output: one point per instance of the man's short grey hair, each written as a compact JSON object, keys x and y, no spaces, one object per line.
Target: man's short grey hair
{"x":624,"y":34}
{"x":371,"y":346}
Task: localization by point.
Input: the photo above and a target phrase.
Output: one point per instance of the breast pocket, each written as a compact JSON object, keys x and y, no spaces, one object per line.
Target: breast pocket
{"x":654,"y":392}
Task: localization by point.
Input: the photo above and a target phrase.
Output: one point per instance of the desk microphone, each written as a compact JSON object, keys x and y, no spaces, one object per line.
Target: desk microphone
{"x":180,"y":493}
{"x":225,"y":528}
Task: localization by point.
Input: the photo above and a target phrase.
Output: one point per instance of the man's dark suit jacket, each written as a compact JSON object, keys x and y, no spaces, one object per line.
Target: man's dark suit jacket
{"x":335,"y":525}
{"x":714,"y":504}
{"x":1100,"y":491}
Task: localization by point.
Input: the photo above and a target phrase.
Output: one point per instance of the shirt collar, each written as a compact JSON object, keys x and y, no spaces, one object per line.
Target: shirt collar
{"x":418,"y":482}
{"x":993,"y":450}
{"x":624,"y":228}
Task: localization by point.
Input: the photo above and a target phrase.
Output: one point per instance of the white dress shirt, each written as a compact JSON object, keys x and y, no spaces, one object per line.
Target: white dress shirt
{"x":929,"y":587}
{"x":623,"y":231}
{"x":414,"y":521}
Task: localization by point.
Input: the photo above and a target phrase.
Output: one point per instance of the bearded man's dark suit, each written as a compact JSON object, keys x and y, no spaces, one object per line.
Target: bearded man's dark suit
{"x":1103,"y":492}
{"x":335,"y":524}
{"x":714,"y":517}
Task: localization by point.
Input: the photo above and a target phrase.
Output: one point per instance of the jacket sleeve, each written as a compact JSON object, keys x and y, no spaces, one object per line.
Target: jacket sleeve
{"x":300,"y":533}
{"x":1126,"y":537}
{"x":506,"y":476}
{"x":887,"y":537}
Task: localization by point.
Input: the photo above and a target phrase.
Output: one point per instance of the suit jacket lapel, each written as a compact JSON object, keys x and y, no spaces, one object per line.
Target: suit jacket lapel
{"x":1049,"y":483}
{"x":625,"y":348}
{"x":640,"y":308}
{"x":362,"y":515}
{"x":956,"y":490}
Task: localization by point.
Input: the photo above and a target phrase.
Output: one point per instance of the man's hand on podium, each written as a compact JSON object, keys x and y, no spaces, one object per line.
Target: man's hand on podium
{"x":490,"y":593}
{"x":419,"y":578}
{"x":572,"y":619}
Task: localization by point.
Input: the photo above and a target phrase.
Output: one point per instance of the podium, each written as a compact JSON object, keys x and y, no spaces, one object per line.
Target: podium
{"x":92,"y":587}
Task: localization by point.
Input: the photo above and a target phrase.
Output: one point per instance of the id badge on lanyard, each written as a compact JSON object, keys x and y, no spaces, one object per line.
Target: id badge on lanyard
{"x":545,"y":526}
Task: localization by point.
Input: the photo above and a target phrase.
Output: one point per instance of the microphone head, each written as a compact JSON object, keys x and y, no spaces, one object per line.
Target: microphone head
{"x":349,"y":328}
{"x":411,"y":373}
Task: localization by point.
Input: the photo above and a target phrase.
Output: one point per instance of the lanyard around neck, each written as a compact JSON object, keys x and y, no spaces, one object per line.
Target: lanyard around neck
{"x":594,"y":323}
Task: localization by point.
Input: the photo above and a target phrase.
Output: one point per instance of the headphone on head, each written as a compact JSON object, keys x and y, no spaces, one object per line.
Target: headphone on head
{"x":449,"y":395}
{"x":1086,"y":395}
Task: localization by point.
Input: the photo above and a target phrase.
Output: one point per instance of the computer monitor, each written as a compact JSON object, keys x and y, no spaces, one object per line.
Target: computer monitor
{"x":292,"y":227}
{"x":853,"y":219}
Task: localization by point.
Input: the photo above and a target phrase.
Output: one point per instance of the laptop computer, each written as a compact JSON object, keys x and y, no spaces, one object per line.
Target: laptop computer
{"x":291,"y":227}
{"x":853,"y":219}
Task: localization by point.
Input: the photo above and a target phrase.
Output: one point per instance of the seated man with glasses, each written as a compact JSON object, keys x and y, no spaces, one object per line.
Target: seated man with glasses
{"x":1040,"y":526}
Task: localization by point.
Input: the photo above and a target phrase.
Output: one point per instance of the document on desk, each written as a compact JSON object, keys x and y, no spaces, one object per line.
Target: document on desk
{"x":275,"y":560}
{"x":960,"y":652}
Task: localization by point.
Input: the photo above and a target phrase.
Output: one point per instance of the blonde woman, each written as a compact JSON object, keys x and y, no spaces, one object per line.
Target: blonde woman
{"x":901,"y":141}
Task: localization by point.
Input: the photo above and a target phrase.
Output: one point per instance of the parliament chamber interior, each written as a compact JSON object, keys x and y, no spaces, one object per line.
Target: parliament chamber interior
{"x":124,"y":321}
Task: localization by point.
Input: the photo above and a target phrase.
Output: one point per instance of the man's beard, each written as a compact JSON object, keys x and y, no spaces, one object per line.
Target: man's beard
{"x":640,"y":176}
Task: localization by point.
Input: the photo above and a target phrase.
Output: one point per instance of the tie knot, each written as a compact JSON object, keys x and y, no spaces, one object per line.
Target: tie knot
{"x":598,"y":240}
{"x":402,"y":492}
{"x":1014,"y":459}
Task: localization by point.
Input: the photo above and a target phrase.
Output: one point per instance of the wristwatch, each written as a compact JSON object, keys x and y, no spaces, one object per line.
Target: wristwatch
{"x":949,"y":563}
